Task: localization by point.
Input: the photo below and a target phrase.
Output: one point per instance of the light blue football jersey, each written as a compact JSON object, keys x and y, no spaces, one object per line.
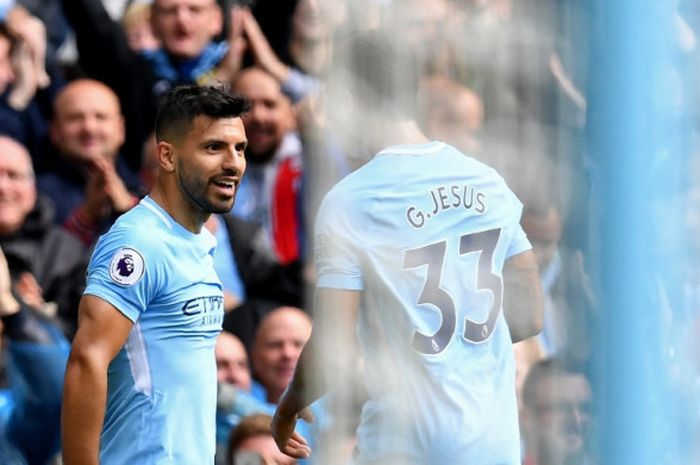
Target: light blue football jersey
{"x":423,"y":231}
{"x":161,"y":398}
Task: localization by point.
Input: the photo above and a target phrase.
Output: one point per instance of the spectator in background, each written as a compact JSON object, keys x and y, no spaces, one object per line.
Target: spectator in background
{"x":50,"y":14}
{"x":309,"y":48}
{"x":300,"y":72}
{"x":35,"y":352}
{"x":271,"y":191}
{"x":89,"y":183}
{"x":568,"y":296}
{"x":27,"y":90}
{"x":47,"y":264}
{"x":136,"y":23}
{"x":232,"y":362}
{"x":251,"y":442}
{"x":31,"y":32}
{"x":254,"y":281}
{"x":557,"y":415}
{"x":188,"y":54}
{"x":234,"y":400}
{"x":278,"y":343}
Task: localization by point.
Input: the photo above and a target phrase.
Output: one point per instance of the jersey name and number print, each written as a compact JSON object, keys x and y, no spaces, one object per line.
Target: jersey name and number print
{"x":433,"y":255}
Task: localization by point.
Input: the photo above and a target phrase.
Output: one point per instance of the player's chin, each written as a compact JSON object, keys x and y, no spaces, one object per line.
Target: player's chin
{"x":221,"y":205}
{"x":183,"y":46}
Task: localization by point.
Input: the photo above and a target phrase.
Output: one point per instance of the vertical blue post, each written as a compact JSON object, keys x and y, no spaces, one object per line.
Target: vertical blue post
{"x":627,"y":143}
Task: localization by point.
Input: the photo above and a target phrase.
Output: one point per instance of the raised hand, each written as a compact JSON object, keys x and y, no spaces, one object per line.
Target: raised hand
{"x":115,"y":190}
{"x":237,"y":46}
{"x":32,"y":32}
{"x":8,"y":304}
{"x":30,"y":291}
{"x":263,"y":54}
{"x":26,"y":81}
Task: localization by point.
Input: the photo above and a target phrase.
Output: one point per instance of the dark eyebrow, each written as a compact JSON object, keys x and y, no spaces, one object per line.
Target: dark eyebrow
{"x":213,"y":141}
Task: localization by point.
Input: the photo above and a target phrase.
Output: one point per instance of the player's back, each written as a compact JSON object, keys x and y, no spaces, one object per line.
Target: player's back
{"x":430,"y":229}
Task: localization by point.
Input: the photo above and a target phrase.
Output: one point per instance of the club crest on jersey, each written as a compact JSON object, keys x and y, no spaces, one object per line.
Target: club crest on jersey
{"x":127,"y":266}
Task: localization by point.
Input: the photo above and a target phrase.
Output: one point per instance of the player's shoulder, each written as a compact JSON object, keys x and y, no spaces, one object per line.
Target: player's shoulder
{"x":479,"y":169}
{"x":140,"y":228}
{"x":344,"y":190}
{"x":488,"y":180}
{"x":335,"y":205}
{"x":473,"y":164}
{"x":135,"y":243}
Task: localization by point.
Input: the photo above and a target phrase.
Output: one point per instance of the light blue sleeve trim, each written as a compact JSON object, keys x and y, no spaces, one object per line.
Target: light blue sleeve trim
{"x":519,"y":244}
{"x":113,"y":299}
{"x":340,"y":281}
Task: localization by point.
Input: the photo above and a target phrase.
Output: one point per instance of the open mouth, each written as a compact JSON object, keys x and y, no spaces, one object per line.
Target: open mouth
{"x":89,"y":142}
{"x":225,"y":186}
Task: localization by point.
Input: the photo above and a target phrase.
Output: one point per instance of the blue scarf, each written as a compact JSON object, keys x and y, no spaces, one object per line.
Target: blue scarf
{"x":193,"y":71}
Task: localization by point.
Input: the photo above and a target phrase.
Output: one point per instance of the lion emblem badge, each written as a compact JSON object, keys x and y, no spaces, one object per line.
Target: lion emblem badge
{"x":127,"y":266}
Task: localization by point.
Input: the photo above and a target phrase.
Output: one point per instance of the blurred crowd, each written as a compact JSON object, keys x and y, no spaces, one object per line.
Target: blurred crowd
{"x":507,"y":81}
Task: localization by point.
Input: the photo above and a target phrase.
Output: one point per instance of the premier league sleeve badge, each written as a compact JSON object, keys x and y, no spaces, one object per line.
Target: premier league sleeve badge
{"x":127,"y":266}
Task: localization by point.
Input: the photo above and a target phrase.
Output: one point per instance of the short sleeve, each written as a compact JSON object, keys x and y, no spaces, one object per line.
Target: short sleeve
{"x":337,"y":244}
{"x":519,"y":242}
{"x":124,"y":270}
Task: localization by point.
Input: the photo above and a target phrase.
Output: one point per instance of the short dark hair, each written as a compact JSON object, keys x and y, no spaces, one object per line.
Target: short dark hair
{"x":545,"y":368}
{"x":384,"y":73}
{"x":182,"y":104}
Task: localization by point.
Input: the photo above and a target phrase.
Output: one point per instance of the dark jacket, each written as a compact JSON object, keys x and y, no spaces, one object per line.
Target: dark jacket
{"x":268,"y":284}
{"x":64,"y":183}
{"x":57,"y":260}
{"x":29,"y":126}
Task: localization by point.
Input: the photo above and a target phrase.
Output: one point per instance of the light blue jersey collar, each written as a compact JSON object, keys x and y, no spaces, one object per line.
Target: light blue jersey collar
{"x":204,"y":235}
{"x":412,"y":149}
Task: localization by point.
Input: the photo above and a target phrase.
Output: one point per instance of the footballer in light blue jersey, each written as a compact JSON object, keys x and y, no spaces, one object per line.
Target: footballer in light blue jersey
{"x":140,"y":385}
{"x":160,"y":406}
{"x":423,"y":232}
{"x":416,"y":253}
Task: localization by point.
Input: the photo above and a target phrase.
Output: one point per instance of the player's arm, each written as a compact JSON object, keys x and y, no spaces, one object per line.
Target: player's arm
{"x":102,"y":331}
{"x":335,"y":314}
{"x":522,"y":300}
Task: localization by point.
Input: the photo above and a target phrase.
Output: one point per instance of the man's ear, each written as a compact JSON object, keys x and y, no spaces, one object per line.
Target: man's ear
{"x":166,"y":156}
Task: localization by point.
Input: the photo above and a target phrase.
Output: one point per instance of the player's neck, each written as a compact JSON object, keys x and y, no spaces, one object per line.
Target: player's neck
{"x":403,"y":132}
{"x":178,"y":208}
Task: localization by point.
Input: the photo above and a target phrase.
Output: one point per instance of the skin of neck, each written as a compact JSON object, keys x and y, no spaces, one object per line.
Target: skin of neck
{"x":399,"y":133}
{"x":168,"y":195}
